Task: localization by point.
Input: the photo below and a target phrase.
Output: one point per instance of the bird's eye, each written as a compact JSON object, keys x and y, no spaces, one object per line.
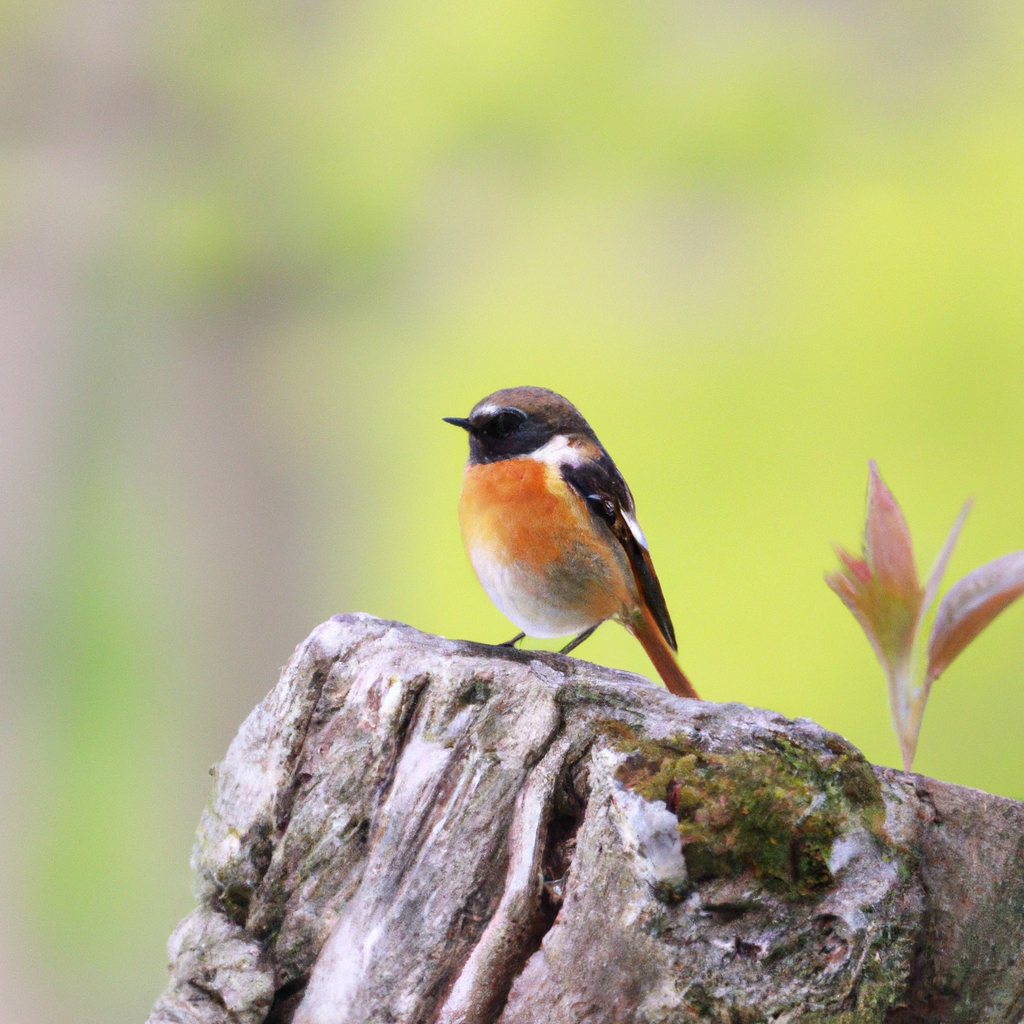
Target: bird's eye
{"x":507,"y":422}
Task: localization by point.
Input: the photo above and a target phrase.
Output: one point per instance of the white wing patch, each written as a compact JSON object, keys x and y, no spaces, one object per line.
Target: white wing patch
{"x":634,"y":528}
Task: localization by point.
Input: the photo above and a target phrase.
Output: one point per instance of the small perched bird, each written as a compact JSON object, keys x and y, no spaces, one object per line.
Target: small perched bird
{"x":551,"y":530}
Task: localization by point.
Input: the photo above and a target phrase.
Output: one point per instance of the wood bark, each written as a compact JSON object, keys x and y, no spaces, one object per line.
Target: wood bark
{"x":414,"y":829}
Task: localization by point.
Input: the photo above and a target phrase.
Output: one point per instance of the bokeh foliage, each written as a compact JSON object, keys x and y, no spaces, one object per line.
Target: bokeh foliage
{"x":756,"y":244}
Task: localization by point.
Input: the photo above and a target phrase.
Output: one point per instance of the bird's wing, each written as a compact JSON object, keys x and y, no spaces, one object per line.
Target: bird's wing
{"x":602,"y":487}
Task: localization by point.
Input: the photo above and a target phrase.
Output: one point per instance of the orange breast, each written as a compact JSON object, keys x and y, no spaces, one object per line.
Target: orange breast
{"x":533,"y":542}
{"x":510,"y":509}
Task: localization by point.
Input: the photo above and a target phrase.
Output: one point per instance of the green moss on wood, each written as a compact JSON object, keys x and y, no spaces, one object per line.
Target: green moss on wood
{"x":234,"y":900}
{"x":773,"y":811}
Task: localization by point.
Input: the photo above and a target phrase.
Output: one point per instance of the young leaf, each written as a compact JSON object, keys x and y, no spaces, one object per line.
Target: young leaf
{"x":882,"y":589}
{"x":969,"y":606}
{"x":931,"y":589}
{"x":883,"y":592}
{"x":887,"y":545}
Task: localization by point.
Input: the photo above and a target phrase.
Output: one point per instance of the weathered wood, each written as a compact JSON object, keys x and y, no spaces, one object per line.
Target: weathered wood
{"x":412,"y":829}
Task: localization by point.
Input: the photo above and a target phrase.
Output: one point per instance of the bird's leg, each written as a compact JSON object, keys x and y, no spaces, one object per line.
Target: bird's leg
{"x":513,"y":641}
{"x":578,"y":639}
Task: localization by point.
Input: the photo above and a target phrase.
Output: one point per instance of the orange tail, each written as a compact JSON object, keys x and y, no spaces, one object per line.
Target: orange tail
{"x":661,"y":655}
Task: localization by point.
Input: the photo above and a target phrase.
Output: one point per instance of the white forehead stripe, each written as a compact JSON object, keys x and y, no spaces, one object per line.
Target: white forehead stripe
{"x":558,"y":452}
{"x":487,"y":410}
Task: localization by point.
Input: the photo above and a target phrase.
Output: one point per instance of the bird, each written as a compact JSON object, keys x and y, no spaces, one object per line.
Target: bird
{"x":550,"y":528}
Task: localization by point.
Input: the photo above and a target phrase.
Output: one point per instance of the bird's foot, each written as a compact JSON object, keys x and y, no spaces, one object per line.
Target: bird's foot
{"x":578,"y":639}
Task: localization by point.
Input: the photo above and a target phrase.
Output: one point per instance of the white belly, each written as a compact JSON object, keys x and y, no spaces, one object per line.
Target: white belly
{"x":527,"y":598}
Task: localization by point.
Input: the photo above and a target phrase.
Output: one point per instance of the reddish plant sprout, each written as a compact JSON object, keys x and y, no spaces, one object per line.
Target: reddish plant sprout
{"x":883,"y":592}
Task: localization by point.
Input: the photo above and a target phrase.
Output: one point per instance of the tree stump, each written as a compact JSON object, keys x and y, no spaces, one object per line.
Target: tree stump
{"x":414,"y":829}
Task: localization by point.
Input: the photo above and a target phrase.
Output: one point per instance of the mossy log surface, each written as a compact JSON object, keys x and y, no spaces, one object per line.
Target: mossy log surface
{"x":414,"y":829}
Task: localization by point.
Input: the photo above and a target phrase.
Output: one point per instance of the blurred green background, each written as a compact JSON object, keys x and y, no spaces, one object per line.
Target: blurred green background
{"x":251,"y":254}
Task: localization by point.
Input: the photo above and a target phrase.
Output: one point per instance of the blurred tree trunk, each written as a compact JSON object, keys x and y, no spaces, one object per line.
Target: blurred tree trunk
{"x":415,"y":829}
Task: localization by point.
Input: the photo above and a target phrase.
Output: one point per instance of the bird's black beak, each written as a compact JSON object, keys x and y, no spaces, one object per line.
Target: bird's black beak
{"x":465,"y":424}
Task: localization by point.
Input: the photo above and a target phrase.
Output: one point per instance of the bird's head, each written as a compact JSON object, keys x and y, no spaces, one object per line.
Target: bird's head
{"x":519,"y":421}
